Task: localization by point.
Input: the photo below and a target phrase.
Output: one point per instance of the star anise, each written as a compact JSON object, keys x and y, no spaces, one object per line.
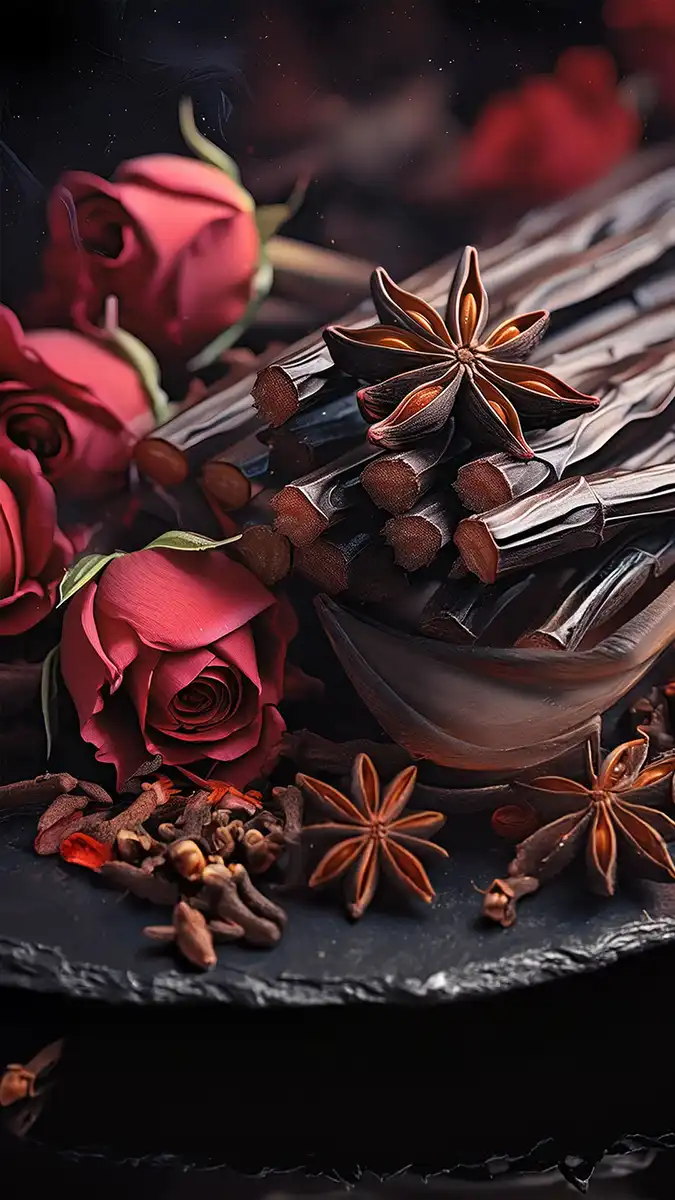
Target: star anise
{"x":606,"y":819}
{"x":371,"y":834}
{"x":420,"y":365}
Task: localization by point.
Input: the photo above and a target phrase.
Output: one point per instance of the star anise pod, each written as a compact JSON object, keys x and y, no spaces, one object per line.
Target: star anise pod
{"x":371,"y":834}
{"x":606,"y":819}
{"x":424,"y":368}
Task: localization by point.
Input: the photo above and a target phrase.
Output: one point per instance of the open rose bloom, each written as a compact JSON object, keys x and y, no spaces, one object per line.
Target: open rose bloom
{"x":34,"y":553}
{"x":71,"y":400}
{"x":180,"y":653}
{"x":173,"y":238}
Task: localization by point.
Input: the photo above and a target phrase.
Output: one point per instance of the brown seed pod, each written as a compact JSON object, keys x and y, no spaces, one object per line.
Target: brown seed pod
{"x":515,"y":822}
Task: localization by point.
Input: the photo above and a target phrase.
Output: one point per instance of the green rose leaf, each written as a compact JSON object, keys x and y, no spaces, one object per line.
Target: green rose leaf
{"x":49,"y":687}
{"x":82,"y":572}
{"x":180,"y":539}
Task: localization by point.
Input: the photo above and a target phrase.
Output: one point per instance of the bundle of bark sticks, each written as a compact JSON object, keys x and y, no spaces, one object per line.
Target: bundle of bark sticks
{"x":442,"y":537}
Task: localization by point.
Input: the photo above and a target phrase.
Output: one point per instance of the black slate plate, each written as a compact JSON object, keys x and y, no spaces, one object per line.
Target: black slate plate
{"x":61,"y":931}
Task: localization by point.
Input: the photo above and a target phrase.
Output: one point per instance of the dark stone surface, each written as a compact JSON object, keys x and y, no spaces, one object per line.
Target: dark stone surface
{"x":61,"y":931}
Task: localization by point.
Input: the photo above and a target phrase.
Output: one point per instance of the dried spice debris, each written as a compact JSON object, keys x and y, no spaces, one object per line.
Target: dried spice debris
{"x":422,"y":369}
{"x":603,"y":821}
{"x":371,"y":834}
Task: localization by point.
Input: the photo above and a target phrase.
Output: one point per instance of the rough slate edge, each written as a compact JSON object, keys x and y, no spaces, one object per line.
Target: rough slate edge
{"x":546,"y":1155}
{"x":43,"y":969}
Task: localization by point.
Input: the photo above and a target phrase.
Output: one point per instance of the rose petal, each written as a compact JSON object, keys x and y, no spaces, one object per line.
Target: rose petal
{"x":180,"y":601}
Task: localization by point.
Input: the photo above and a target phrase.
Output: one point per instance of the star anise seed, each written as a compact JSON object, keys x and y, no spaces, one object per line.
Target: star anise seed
{"x":371,"y":834}
{"x":419,"y":366}
{"x":606,"y":820}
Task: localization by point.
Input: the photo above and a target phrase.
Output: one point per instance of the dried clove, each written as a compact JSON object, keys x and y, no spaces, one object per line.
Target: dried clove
{"x":500,"y":899}
{"x":187,"y":859}
{"x":144,"y":886}
{"x":191,"y":934}
{"x":21,"y":1082}
{"x":292,"y":804}
{"x":263,"y":850}
{"x":222,"y":895}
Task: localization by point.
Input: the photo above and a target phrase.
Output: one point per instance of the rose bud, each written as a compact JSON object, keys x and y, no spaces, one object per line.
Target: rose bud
{"x":34,"y":553}
{"x":75,"y":403}
{"x":180,"y":655}
{"x":175,"y":239}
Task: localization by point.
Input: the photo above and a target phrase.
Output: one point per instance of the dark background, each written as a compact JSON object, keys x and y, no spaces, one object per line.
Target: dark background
{"x":88,"y":83}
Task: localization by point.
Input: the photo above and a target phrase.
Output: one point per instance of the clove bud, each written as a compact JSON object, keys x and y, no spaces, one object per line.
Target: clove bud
{"x":187,"y":859}
{"x":500,"y":899}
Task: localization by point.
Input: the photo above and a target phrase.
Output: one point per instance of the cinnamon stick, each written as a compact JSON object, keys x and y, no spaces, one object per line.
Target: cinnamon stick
{"x":635,"y":394}
{"x":397,"y":480}
{"x":231,"y":475}
{"x":575,"y":514}
{"x":418,"y":536}
{"x":329,"y":561}
{"x":462,"y":610}
{"x":198,"y":433}
{"x":306,"y":508}
{"x":315,"y":437}
{"x":603,"y":591}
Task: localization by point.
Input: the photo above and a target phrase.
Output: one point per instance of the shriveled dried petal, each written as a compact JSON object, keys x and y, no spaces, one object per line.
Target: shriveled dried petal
{"x":49,"y":840}
{"x":85,"y":851}
{"x":61,"y":809}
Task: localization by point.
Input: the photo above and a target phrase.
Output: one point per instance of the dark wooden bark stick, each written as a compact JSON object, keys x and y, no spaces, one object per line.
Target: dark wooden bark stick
{"x":587,"y":238}
{"x":417,"y":537}
{"x":329,"y":561}
{"x":352,"y":558}
{"x":461,"y":610}
{"x":636,"y":393}
{"x":602,"y":591}
{"x":306,"y":508}
{"x":231,"y":476}
{"x":396,"y":481}
{"x":574,"y":514}
{"x":315,"y":437}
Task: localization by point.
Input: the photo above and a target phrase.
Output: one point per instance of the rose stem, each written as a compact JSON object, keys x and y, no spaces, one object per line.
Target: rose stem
{"x":604,"y":588}
{"x":316,"y":437}
{"x":396,"y":481}
{"x":577,"y":513}
{"x":418,"y":536}
{"x":306,"y":508}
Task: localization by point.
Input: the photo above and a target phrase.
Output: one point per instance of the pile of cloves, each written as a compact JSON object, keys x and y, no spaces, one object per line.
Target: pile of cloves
{"x":195,"y":853}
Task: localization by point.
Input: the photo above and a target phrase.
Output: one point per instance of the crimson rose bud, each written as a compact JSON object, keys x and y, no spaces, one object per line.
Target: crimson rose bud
{"x":34,"y":553}
{"x":175,"y":239}
{"x":73,"y":402}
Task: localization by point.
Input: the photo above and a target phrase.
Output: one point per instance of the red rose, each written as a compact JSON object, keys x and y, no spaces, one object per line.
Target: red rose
{"x":74,"y":403}
{"x":180,"y":653}
{"x":173,"y":238}
{"x":34,"y":553}
{"x":646,"y":33}
{"x":554,"y":134}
